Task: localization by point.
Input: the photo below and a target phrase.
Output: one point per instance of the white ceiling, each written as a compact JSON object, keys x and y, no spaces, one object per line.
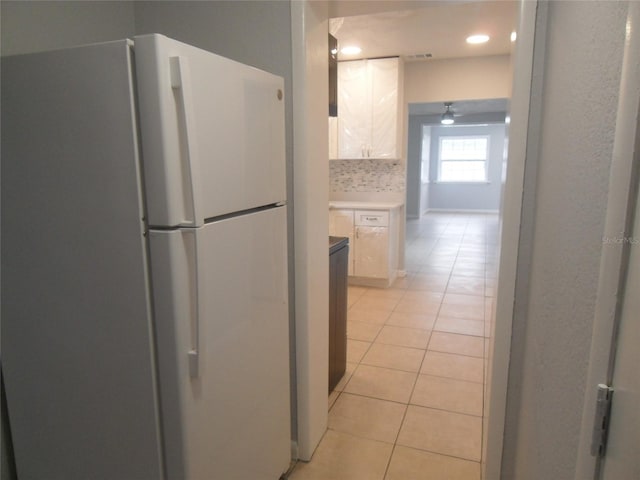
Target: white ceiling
{"x":437,"y":27}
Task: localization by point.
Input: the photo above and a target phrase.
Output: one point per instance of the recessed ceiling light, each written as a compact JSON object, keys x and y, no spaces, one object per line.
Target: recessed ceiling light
{"x":514,"y":35}
{"x":481,"y":38}
{"x":350,"y":50}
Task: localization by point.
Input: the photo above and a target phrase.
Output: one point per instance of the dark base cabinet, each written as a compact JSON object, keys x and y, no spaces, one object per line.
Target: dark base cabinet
{"x":338,"y":268}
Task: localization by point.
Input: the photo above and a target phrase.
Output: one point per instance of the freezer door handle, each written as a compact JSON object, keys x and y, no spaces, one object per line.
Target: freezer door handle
{"x":180,"y":82}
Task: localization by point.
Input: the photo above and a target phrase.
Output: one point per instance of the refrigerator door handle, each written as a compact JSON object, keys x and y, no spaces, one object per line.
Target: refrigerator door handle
{"x":193,"y":354}
{"x":180,"y":82}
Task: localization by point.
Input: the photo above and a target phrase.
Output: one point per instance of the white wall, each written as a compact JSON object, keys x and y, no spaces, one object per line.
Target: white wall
{"x":309,"y":21}
{"x":37,"y":26}
{"x":563,"y":217}
{"x":457,"y":79}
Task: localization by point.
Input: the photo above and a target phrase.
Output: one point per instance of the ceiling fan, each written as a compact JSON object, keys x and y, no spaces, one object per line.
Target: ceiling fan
{"x":447,"y":116}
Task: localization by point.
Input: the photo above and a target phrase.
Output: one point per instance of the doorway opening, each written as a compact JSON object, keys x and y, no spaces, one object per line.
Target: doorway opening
{"x":371,"y":357}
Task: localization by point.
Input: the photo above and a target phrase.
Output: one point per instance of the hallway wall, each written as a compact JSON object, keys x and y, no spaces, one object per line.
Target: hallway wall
{"x":563,"y":209}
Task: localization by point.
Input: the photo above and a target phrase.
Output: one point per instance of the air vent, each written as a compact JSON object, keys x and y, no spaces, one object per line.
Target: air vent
{"x":418,"y":56}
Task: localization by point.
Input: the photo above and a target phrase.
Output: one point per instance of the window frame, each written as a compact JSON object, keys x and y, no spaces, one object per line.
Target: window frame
{"x":486,"y":160}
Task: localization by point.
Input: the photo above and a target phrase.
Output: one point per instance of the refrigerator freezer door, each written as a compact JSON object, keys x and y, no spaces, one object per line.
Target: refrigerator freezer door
{"x":221,"y":291}
{"x":212,"y":133}
{"x":77,"y":353}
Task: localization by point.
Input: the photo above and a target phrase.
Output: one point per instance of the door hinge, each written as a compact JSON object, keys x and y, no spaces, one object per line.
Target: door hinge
{"x":601,"y":421}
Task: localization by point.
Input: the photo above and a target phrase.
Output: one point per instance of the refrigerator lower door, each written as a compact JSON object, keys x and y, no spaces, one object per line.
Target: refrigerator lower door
{"x":212,"y":133}
{"x":220,"y":297}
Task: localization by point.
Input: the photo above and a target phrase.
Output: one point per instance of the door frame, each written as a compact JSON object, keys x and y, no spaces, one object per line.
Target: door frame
{"x":623,"y":186}
{"x":307,"y":18}
{"x":523,"y":133}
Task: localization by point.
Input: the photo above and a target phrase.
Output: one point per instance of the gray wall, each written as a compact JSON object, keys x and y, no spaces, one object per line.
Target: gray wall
{"x":461,"y":196}
{"x":414,"y":161}
{"x":564,"y":209}
{"x":453,"y":196}
{"x":36,"y":26}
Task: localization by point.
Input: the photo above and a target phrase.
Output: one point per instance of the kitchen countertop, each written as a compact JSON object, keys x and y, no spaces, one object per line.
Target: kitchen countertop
{"x":366,"y":205}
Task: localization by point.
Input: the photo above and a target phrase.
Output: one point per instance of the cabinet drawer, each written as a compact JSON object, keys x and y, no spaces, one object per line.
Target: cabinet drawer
{"x":372,"y":218}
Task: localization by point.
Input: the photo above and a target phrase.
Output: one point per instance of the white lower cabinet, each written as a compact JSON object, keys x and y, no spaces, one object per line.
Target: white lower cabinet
{"x":372,"y":252}
{"x":373,"y":243}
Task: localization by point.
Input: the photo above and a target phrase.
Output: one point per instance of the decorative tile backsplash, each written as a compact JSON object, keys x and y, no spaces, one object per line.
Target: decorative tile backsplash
{"x":366,"y":175}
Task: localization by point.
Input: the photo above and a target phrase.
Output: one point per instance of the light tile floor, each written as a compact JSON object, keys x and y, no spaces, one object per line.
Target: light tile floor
{"x":410,"y":404}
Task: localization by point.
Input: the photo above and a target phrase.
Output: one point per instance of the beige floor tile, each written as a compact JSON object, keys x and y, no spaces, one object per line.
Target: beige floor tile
{"x":468,"y":272}
{"x":392,"y":356}
{"x":431,"y":282}
{"x":391,"y":293}
{"x":466,"y":285}
{"x":470,"y":260}
{"x":448,"y":394}
{"x":467,"y":312}
{"x":341,"y":456}
{"x":356,"y":350}
{"x":435,"y":270}
{"x":376,"y":303}
{"x":382,"y":383}
{"x":367,"y":315}
{"x":367,"y":417}
{"x":412,"y":320}
{"x":411,"y":464}
{"x":404,"y":337}
{"x":455,"y":343}
{"x":459,"y":325}
{"x":476,"y":301}
{"x":418,"y":306}
{"x":366,"y":332}
{"x":423,"y":296}
{"x":443,"y":432}
{"x":354,"y":293}
{"x":474,"y":251}
{"x":453,"y":366}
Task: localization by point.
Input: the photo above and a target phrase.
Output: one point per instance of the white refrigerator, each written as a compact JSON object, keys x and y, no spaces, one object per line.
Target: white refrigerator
{"x":145,"y":330}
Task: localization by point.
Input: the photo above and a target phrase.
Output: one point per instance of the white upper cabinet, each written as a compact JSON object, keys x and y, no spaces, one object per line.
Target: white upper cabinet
{"x":369,"y":93}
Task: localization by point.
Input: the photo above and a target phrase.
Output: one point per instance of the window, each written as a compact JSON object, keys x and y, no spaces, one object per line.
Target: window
{"x":463,"y":159}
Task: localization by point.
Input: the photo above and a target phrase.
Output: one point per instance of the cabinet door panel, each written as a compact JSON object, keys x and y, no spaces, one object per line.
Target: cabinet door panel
{"x":354,"y":121}
{"x":384,"y":108}
{"x":372,"y":252}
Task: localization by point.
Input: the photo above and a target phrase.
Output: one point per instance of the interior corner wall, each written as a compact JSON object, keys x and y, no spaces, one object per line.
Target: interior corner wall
{"x":44,"y":25}
{"x":556,"y":291}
